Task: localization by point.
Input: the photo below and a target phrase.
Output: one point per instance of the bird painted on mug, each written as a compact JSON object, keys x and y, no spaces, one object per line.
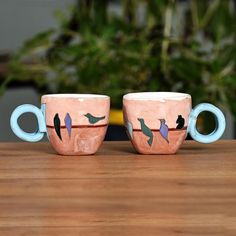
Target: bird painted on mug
{"x":68,"y":123}
{"x":180,"y":121}
{"x":164,"y":129}
{"x":57,"y":125}
{"x":146,"y":131}
{"x":129,"y":128}
{"x":93,"y":119}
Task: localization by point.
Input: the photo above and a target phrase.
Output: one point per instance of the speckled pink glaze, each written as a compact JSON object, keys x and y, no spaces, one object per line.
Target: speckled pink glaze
{"x":151,"y":110}
{"x":86,"y":138}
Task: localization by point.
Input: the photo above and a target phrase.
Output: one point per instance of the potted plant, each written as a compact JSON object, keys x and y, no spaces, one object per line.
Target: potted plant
{"x":169,"y":46}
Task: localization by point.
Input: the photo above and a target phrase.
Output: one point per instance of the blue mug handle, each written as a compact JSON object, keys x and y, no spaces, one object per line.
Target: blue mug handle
{"x":220,"y":123}
{"x":27,"y":108}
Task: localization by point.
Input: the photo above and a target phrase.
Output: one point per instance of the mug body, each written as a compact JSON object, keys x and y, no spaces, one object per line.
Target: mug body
{"x":156,"y":122}
{"x":76,"y":123}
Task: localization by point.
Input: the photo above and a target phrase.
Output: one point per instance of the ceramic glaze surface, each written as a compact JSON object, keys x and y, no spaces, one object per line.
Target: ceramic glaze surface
{"x":76,"y":125}
{"x":157,"y":125}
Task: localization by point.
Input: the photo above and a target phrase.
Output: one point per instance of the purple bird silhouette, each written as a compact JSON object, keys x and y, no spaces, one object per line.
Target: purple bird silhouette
{"x":68,"y":123}
{"x":164,"y":129}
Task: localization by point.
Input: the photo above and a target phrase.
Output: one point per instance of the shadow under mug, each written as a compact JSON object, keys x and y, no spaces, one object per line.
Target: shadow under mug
{"x":75,"y":124}
{"x":158,"y":122}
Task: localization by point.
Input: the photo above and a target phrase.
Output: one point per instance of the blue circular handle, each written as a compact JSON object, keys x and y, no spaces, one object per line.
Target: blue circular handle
{"x":30,"y":137}
{"x":220,"y":123}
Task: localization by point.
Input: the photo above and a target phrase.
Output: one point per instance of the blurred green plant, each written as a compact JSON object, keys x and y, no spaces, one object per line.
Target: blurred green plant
{"x":155,"y":45}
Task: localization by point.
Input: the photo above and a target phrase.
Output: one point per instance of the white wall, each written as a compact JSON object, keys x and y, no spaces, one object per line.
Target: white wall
{"x":21,"y":19}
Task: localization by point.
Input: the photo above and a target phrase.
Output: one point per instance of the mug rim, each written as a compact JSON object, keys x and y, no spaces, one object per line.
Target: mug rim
{"x":157,"y":96}
{"x":76,"y":96}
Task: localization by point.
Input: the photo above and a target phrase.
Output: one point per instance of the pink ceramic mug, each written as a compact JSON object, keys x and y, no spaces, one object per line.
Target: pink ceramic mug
{"x":76,"y":124}
{"x":158,"y":122}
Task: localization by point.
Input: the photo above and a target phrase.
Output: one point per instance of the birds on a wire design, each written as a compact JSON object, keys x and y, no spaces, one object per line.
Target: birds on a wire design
{"x":164,"y":129}
{"x":68,"y":123}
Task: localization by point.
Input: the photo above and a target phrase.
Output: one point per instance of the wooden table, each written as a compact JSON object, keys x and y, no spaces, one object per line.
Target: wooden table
{"x":118,"y":192}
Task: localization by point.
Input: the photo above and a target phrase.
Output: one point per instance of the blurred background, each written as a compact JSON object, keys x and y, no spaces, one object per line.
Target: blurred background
{"x":115,"y":47}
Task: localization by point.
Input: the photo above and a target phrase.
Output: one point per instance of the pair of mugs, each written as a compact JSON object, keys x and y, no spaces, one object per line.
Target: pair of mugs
{"x":156,"y":122}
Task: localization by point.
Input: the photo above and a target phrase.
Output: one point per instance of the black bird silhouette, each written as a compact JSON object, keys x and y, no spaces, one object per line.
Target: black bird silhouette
{"x":180,"y":121}
{"x":57,"y":125}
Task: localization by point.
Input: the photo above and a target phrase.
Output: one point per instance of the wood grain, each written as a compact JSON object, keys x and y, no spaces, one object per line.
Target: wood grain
{"x":118,"y":192}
